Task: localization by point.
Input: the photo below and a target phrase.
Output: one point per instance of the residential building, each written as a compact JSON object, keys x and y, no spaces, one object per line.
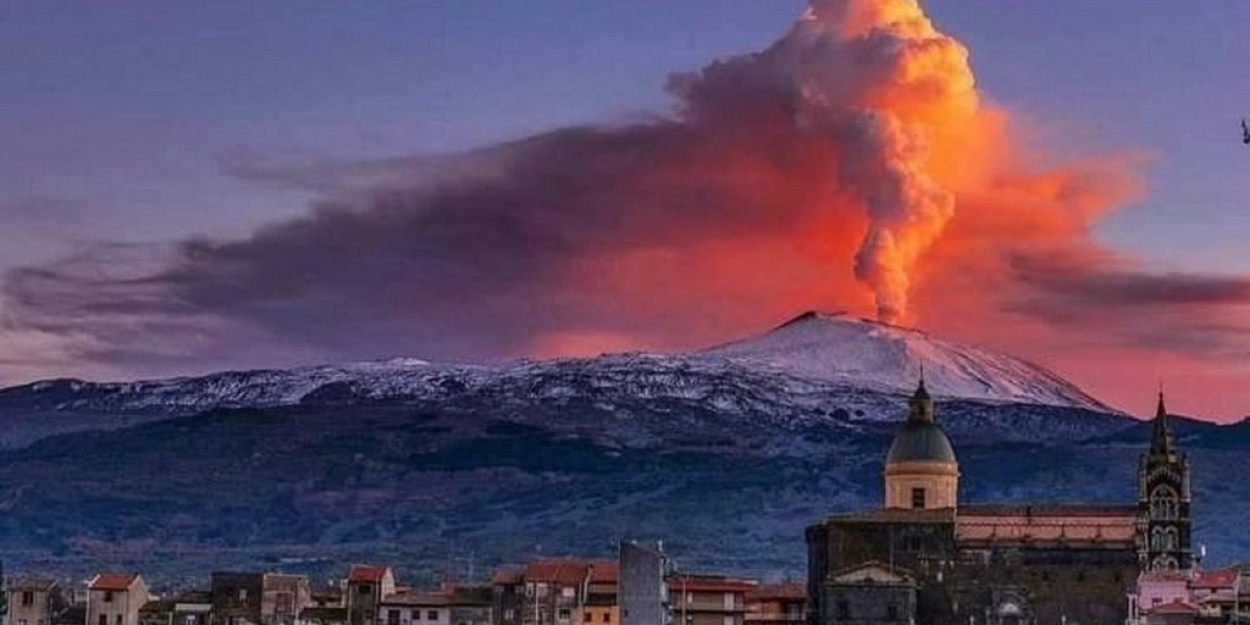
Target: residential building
{"x":115,"y":599}
{"x":237,"y":598}
{"x":327,"y":606}
{"x":33,"y":601}
{"x":1173,"y":597}
{"x":284,"y":597}
{"x":413,"y":607}
{"x":777,"y":604}
{"x":471,"y":605}
{"x":708,"y":599}
{"x":599,"y":606}
{"x":366,"y":586}
{"x":553,"y":591}
{"x":188,"y":608}
{"x":642,"y":593}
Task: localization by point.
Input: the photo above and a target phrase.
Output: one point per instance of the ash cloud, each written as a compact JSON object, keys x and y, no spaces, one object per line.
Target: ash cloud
{"x":848,"y":165}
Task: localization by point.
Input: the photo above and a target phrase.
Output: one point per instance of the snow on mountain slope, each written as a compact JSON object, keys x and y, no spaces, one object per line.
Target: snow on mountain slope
{"x":868,"y":354}
{"x":797,"y":365}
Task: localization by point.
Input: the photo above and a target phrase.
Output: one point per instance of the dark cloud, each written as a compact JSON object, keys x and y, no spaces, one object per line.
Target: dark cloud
{"x":1106,"y":300}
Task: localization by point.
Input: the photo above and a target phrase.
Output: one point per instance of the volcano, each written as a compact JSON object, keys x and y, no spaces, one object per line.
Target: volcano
{"x":869,"y":354}
{"x":726,"y":453}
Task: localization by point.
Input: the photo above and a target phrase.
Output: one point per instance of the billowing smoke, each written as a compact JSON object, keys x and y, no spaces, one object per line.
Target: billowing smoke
{"x":850,"y":165}
{"x":877,"y":80}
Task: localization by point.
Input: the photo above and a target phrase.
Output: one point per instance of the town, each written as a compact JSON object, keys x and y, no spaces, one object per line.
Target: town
{"x":923,"y":557}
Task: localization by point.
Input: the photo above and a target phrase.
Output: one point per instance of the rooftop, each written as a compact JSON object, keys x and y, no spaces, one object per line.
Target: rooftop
{"x":367,"y":573}
{"x":119,"y":582}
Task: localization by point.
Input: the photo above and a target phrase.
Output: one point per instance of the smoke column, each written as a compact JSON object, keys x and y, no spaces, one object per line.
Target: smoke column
{"x":876,"y":79}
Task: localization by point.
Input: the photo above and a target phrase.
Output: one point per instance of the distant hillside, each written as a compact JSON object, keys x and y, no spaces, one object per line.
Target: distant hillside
{"x":724,"y":456}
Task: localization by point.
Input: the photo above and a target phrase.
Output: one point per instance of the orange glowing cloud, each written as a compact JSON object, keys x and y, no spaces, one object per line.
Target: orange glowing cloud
{"x":853,"y":164}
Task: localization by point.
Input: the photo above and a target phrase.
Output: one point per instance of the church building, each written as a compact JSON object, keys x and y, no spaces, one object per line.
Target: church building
{"x":924,"y":557}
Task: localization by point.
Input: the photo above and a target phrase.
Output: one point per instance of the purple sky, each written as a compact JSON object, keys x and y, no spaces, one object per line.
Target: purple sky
{"x":117,"y":117}
{"x":131,"y":121}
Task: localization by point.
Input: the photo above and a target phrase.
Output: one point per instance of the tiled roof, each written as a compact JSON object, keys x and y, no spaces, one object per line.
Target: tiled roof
{"x":897,"y":515}
{"x":784,"y":590}
{"x":112,"y":581}
{"x":32,"y":583}
{"x":1176,"y":607}
{"x":1048,"y":510}
{"x":367,"y":573}
{"x":1218,"y":578}
{"x":710,"y":583}
{"x":508,"y":577}
{"x":605,"y":572}
{"x":418,"y":598}
{"x":566,"y":570}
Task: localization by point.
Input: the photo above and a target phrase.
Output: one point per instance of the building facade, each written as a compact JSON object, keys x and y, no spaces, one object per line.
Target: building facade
{"x":643,"y":594}
{"x":237,"y":598}
{"x":777,"y":604}
{"x":994,"y":564}
{"x":708,"y":599}
{"x":366,"y":586}
{"x":115,"y":599}
{"x":33,"y":601}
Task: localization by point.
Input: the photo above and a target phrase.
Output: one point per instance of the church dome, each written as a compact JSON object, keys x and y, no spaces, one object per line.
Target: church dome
{"x":920,"y":470}
{"x":920,"y":441}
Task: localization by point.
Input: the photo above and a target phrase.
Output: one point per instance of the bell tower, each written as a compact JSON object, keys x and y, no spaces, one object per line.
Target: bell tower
{"x":1163,"y":497}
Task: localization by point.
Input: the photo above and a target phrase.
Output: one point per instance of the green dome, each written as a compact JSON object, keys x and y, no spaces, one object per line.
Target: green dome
{"x":920,"y":441}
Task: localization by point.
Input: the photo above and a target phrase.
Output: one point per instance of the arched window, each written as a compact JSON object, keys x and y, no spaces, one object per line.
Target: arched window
{"x":1164,"y":503}
{"x":1165,"y":563}
{"x":1156,"y":539}
{"x":1171,"y":539}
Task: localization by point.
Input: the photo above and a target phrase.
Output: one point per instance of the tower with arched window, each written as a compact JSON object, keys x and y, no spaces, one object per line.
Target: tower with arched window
{"x":1163,"y":501}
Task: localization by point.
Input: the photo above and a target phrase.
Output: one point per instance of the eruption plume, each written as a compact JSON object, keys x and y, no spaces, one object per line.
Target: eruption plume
{"x":875,"y":78}
{"x":851,"y":164}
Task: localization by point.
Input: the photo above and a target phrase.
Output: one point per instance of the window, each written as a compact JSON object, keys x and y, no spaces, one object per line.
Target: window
{"x":588,"y":617}
{"x":364,"y":589}
{"x":891,"y":612}
{"x":416,"y":615}
{"x":392,"y":617}
{"x":564,"y":615}
{"x":432,"y":615}
{"x":917,"y":498}
{"x":842,"y":611}
{"x":103,"y":620}
{"x":568,"y":592}
{"x":1164,"y":504}
{"x":242,"y":594}
{"x":28,"y":598}
{"x":21,"y":621}
{"x":1164,"y":539}
{"x":119,"y":619}
{"x":607,"y":617}
{"x":508,"y":615}
{"x":108,"y":596}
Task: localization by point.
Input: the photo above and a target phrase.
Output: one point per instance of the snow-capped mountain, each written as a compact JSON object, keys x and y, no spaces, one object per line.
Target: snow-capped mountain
{"x":740,"y":444}
{"x":868,"y":354}
{"x":809,"y":353}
